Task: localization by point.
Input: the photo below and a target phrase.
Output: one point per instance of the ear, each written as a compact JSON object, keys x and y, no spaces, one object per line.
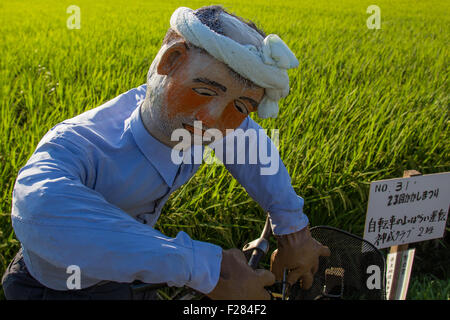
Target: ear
{"x":172,"y":58}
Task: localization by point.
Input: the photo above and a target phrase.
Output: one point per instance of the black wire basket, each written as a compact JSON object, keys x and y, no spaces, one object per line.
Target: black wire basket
{"x":355,"y":270}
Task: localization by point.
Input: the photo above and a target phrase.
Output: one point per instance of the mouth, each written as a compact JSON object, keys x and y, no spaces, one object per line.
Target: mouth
{"x":192,"y":130}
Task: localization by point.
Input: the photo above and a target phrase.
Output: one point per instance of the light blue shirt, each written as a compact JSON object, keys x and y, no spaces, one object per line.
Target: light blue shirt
{"x":94,"y":188}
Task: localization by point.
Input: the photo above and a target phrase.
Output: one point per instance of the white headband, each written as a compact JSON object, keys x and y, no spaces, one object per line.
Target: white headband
{"x":266,"y":67}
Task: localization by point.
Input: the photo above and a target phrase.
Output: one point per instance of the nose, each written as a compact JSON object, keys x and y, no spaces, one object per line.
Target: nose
{"x":211,"y":113}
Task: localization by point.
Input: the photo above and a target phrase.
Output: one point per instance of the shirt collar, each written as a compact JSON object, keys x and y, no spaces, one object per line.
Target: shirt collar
{"x":156,"y":152}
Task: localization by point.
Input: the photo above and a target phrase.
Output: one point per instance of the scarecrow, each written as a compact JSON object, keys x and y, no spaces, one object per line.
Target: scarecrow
{"x":86,"y":201}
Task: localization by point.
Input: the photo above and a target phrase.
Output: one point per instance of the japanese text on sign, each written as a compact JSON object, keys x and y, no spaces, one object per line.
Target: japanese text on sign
{"x":407,"y":210}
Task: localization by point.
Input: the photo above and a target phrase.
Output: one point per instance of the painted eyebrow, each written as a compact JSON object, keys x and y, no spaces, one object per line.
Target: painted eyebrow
{"x":253,"y":102}
{"x":211,"y":83}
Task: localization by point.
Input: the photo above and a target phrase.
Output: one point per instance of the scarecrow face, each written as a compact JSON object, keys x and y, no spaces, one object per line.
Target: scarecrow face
{"x":201,"y":88}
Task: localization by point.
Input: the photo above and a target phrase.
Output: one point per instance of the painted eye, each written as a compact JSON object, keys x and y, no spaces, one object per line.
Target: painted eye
{"x":205,"y":92}
{"x":240,"y":107}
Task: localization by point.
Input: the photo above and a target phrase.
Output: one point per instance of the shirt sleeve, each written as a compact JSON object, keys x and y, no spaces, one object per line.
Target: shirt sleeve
{"x":257,"y":166}
{"x":56,"y":217}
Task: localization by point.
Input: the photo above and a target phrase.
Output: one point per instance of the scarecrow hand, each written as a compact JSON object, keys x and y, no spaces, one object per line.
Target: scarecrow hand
{"x":240,"y":282}
{"x":299,"y":253}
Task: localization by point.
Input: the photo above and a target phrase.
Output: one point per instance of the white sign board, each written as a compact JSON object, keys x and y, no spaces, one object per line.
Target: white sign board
{"x":406,"y":210}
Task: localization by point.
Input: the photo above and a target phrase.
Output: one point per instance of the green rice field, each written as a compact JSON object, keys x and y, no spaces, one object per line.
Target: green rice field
{"x":365,"y":105}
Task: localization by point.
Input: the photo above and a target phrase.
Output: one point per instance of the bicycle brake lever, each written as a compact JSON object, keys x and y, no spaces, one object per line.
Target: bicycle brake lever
{"x":258,"y":247}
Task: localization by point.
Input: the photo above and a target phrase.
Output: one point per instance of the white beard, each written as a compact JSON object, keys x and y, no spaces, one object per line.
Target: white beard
{"x":155,"y":113}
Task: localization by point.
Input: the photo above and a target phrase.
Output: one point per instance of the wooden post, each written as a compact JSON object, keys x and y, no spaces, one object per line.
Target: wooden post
{"x":399,"y":248}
